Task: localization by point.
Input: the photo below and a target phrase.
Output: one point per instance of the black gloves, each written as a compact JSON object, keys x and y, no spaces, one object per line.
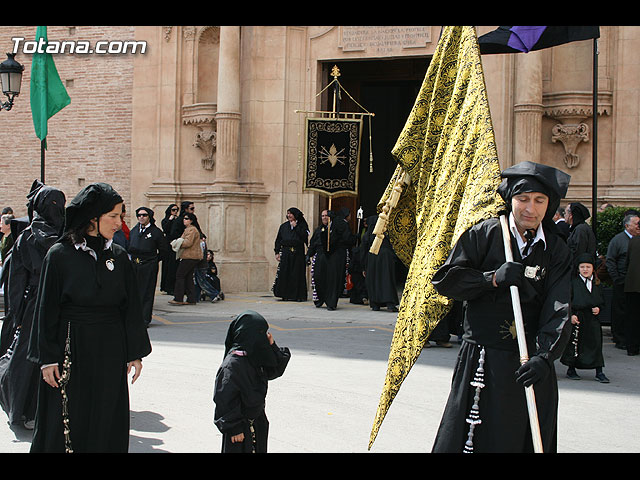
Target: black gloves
{"x":536,"y":369}
{"x":510,"y":273}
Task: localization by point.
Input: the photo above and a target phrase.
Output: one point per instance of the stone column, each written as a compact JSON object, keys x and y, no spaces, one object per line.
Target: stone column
{"x":228,"y":114}
{"x":528,"y":109}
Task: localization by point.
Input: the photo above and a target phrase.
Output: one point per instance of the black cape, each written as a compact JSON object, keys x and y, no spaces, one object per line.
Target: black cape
{"x":488,"y":323}
{"x":100,"y":300}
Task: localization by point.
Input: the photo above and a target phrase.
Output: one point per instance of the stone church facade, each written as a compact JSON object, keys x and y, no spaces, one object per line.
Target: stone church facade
{"x":215,"y":115}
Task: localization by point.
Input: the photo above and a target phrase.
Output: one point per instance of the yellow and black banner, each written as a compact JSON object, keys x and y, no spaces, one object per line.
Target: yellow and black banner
{"x":448,"y":149}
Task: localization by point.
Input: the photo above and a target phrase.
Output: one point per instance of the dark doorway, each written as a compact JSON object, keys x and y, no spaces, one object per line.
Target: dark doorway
{"x":388,"y":89}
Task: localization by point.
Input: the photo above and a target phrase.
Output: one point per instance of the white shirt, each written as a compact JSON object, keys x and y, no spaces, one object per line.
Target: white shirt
{"x":521,"y":241}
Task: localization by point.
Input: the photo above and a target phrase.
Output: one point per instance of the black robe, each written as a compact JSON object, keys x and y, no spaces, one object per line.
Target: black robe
{"x":18,"y":376}
{"x":488,"y":324}
{"x":380,"y":272}
{"x":240,"y":393}
{"x":291,"y":278}
{"x":584,"y":349}
{"x":147,"y":249}
{"x":101,"y":302}
{"x":169,"y":263}
{"x":330,"y":249}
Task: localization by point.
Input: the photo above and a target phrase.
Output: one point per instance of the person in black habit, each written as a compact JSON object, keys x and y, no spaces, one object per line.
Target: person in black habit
{"x":147,"y":247}
{"x":379,"y":270}
{"x":581,"y":238}
{"x":18,"y":376}
{"x":584,"y":350}
{"x":289,"y":247}
{"x":88,"y":313}
{"x":329,"y":244}
{"x":169,"y":263}
{"x":251,"y":360}
{"x":476,"y":272}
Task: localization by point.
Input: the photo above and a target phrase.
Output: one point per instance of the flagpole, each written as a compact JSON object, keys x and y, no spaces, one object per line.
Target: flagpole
{"x":42,"y":149}
{"x":594,"y":144}
{"x":522,"y":343}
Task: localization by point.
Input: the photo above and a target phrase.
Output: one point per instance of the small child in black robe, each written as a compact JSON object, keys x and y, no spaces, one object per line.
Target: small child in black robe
{"x":251,"y":359}
{"x":584,"y":350}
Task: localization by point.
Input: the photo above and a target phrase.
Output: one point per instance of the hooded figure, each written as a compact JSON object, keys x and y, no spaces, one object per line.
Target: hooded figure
{"x":291,"y":240}
{"x":87,"y":312}
{"x":251,"y":359}
{"x":18,"y":376}
{"x":147,"y":247}
{"x":7,"y":335}
{"x":477,"y":273}
{"x":581,"y":237}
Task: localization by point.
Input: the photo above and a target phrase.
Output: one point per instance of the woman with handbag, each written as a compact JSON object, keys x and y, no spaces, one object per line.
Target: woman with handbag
{"x":190,"y":254}
{"x":88,"y":332}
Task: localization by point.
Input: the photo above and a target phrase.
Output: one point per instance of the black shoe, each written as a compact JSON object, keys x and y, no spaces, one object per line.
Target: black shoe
{"x":331,"y":308}
{"x":375,"y":308}
{"x":572,"y":375}
{"x":602,"y":378}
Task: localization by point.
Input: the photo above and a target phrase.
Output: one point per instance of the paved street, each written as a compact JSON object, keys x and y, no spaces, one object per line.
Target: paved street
{"x":327,"y":399}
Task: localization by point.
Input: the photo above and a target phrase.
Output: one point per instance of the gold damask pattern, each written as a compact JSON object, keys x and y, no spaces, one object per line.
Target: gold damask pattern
{"x":448,"y":148}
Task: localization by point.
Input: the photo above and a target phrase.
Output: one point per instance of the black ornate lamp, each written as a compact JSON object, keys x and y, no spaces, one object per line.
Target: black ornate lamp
{"x":11,"y":79}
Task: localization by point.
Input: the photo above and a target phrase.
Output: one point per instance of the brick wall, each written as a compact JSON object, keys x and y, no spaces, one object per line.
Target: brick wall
{"x":90,"y":139}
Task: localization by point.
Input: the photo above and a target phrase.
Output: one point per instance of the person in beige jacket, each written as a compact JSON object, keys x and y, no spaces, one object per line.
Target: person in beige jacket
{"x":190,"y":254}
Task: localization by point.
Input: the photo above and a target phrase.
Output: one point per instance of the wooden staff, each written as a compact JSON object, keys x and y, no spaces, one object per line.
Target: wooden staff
{"x":383,"y":217}
{"x":522,"y":343}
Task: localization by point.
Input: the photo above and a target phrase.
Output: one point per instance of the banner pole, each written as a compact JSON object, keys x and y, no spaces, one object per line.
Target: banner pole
{"x":522,"y":344}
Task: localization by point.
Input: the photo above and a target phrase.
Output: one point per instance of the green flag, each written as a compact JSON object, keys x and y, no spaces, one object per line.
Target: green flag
{"x":48,"y":95}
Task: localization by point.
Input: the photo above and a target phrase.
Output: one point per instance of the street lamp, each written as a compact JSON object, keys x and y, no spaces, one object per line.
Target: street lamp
{"x":11,"y":78}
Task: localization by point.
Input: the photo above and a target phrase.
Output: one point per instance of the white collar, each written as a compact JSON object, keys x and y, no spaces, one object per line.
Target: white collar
{"x":83,"y":246}
{"x":521,"y":242}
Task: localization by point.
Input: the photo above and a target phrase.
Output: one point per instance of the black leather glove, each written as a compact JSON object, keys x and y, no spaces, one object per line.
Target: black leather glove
{"x":536,"y":369}
{"x":510,"y":273}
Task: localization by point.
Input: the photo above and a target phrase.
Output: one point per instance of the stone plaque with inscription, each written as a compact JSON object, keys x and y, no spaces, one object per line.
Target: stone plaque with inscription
{"x":384,"y":40}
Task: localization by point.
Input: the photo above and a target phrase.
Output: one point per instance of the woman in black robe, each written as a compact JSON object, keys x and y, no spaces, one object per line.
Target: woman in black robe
{"x":584,"y":350}
{"x":291,"y":240}
{"x":379,"y":270}
{"x":251,"y":359}
{"x":18,"y":376}
{"x":169,"y":262}
{"x":88,"y":309}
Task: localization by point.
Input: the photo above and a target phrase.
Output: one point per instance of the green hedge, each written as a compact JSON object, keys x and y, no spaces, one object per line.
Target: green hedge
{"x":609,"y":225}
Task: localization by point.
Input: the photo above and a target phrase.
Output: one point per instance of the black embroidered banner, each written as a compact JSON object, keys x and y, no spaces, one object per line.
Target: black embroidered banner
{"x":332,"y":155}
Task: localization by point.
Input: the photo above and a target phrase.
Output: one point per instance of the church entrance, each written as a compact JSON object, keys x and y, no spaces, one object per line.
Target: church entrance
{"x":388,"y":89}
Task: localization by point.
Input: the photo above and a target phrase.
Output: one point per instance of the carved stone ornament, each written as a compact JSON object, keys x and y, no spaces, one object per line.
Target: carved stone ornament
{"x":202,"y":116}
{"x":206,"y":141}
{"x":570,"y":136}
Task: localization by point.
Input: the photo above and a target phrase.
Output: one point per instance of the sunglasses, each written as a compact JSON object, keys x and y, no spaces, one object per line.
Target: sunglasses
{"x":143,"y":215}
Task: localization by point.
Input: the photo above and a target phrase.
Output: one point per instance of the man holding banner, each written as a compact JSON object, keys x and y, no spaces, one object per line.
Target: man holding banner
{"x":487,"y":410}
